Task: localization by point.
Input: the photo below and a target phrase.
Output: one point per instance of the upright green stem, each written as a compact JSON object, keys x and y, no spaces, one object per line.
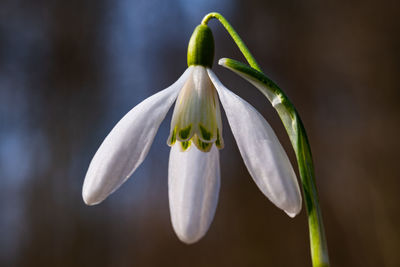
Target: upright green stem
{"x":297,"y":134}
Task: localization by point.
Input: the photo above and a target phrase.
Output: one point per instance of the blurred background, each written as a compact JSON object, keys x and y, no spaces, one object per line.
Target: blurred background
{"x":69,"y":70}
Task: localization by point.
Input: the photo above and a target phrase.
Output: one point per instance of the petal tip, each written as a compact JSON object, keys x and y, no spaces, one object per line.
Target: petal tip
{"x":89,"y":198}
{"x":189,"y":240}
{"x":293,"y":213}
{"x":290,"y":214}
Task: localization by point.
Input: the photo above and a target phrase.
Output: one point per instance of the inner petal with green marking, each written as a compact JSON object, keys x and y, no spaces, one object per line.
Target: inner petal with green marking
{"x":197,"y":117}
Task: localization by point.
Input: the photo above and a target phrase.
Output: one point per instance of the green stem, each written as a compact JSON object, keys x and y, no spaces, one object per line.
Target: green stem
{"x":297,"y":134}
{"x":236,"y":38}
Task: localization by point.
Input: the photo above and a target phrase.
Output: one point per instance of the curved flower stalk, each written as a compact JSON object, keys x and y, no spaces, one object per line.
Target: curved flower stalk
{"x":195,"y":139}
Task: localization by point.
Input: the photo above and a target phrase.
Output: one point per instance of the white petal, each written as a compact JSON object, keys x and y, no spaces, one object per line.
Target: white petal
{"x":126,"y":146}
{"x":193,"y":188}
{"x":261,"y":151}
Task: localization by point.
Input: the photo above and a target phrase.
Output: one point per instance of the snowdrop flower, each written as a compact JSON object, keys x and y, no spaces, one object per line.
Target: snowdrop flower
{"x":195,"y":139}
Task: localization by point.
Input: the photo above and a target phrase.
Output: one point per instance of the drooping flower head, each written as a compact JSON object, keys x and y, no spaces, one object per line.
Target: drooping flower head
{"x":195,"y":138}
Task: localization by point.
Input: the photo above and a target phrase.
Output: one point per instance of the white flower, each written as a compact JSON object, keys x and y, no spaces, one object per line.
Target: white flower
{"x":194,"y":171}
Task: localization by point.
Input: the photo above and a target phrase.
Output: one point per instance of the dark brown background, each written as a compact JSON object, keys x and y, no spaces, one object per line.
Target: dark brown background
{"x":69,"y":70}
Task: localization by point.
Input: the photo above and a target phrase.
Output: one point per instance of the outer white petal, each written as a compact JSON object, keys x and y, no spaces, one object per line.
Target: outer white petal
{"x":261,"y":151}
{"x":126,"y":146}
{"x":193,"y":188}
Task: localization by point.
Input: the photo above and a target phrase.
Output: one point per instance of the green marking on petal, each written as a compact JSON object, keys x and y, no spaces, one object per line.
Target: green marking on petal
{"x":172,"y":140}
{"x":206,"y":135}
{"x":203,"y":146}
{"x":219,"y":143}
{"x":185,"y":145}
{"x":185,"y":132}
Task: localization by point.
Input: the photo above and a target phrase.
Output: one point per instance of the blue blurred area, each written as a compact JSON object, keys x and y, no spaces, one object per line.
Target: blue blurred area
{"x":130,"y":38}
